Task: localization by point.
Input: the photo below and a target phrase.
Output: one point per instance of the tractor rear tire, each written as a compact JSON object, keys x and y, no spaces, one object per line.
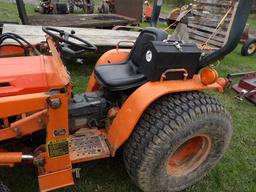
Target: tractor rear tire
{"x":177,"y":141}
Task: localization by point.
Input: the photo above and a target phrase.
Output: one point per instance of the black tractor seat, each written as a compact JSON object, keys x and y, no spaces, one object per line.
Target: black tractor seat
{"x":125,"y":75}
{"x":119,"y":76}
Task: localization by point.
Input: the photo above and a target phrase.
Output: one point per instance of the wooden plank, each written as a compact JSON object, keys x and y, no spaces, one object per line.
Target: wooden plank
{"x":99,"y":37}
{"x":209,"y":29}
{"x":207,"y":22}
{"x":208,"y":15}
{"x":80,"y":20}
{"x":220,"y":39}
{"x":214,"y":2}
{"x":213,"y":9}
{"x":203,"y":40}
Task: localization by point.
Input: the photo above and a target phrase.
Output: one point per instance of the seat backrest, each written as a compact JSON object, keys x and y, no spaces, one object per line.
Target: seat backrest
{"x":146,"y":36}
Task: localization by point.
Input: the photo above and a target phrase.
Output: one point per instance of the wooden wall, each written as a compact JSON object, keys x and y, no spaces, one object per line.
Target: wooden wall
{"x":181,"y":2}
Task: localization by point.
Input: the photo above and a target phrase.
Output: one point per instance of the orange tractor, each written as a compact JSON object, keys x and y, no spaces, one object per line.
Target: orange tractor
{"x":148,"y":99}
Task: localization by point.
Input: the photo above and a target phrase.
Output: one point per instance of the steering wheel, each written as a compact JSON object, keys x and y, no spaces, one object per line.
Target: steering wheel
{"x":68,"y":46}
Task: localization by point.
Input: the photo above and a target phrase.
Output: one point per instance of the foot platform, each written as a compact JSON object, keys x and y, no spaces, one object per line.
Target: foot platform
{"x":87,"y":145}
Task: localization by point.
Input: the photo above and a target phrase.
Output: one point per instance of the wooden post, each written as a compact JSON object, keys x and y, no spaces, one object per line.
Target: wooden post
{"x":156,"y":12}
{"x":22,"y":12}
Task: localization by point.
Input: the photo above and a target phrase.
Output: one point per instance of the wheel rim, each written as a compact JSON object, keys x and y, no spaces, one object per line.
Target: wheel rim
{"x":189,"y":156}
{"x":252,"y":48}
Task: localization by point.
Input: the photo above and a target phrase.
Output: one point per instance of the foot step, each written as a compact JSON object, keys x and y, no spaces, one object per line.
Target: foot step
{"x":87,"y":145}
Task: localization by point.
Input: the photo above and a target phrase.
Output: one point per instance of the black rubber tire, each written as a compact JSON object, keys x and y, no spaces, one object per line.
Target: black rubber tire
{"x":246,"y":47}
{"x":4,"y":188}
{"x":163,"y":127}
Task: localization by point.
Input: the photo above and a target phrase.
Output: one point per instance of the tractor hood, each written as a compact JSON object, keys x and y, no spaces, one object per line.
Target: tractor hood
{"x":26,"y":75}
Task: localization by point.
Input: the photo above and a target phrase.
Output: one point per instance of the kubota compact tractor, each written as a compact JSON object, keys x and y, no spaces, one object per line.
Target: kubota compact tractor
{"x":148,"y":99}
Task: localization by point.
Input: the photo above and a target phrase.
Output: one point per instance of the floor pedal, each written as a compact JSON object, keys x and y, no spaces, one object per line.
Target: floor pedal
{"x":87,"y":145}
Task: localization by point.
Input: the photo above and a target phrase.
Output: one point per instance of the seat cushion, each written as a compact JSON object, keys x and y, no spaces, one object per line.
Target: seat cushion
{"x":123,"y":76}
{"x":120,"y":76}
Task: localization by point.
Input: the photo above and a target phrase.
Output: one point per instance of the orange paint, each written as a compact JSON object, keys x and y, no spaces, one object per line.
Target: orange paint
{"x":208,"y":76}
{"x":10,"y":158}
{"x":11,"y":50}
{"x":33,"y":74}
{"x":17,"y":105}
{"x":24,"y":92}
{"x":56,"y":180}
{"x":25,"y":126}
{"x":137,"y":103}
{"x":189,"y":156}
{"x":61,"y":73}
{"x":60,"y":166}
{"x":110,"y":57}
{"x":25,"y":85}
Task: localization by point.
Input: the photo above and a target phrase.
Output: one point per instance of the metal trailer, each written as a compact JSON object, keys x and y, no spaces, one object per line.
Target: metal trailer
{"x":80,"y":20}
{"x":248,"y":40}
{"x":246,"y":88}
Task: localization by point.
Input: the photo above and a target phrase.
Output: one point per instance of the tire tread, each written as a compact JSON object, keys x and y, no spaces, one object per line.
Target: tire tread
{"x":161,"y":121}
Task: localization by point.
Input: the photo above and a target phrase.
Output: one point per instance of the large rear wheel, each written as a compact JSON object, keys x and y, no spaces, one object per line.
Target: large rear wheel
{"x":177,"y":141}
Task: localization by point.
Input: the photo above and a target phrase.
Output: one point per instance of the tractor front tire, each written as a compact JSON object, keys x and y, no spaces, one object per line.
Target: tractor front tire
{"x":177,"y":141}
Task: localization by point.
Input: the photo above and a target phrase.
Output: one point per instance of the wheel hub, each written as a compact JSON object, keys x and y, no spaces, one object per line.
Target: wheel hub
{"x":252,"y":48}
{"x":189,"y":156}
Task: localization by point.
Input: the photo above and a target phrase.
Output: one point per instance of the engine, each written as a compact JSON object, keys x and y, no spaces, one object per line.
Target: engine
{"x":88,"y":110}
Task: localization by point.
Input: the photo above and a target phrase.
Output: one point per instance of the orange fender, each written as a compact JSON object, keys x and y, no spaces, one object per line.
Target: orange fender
{"x":138,"y":102}
{"x":110,"y":57}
